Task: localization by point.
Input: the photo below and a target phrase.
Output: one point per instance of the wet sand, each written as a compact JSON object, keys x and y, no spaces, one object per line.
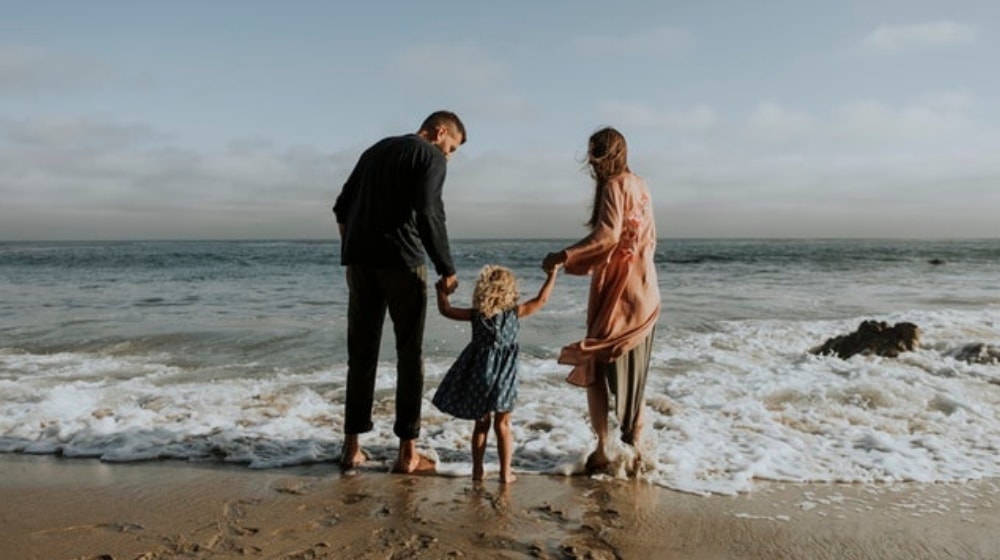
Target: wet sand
{"x":53,"y":508}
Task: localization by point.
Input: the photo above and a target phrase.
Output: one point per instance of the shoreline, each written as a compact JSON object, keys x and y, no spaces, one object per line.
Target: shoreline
{"x":84,"y":509}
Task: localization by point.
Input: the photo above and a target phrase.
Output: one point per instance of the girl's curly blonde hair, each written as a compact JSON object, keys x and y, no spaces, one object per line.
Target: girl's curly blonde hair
{"x":496,"y":290}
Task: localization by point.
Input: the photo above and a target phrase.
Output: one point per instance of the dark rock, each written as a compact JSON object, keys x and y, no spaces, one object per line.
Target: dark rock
{"x":977,"y":353}
{"x":873,"y":337}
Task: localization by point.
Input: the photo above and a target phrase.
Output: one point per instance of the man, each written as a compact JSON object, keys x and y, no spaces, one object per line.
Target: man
{"x":390,"y":213}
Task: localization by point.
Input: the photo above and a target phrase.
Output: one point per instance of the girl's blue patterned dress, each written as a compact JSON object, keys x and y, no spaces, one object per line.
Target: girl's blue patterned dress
{"x":484,"y":377}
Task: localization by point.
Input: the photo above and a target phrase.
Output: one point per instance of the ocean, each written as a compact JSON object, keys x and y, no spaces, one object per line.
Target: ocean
{"x":235,"y":352}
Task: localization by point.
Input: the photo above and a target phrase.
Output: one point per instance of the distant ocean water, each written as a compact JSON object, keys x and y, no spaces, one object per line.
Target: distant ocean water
{"x":235,"y":351}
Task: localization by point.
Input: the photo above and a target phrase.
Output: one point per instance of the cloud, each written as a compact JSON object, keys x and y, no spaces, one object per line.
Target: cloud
{"x":468,"y":65}
{"x":27,"y":70}
{"x":933,"y":121}
{"x":925,"y":167}
{"x":500,"y":177}
{"x":899,"y":39}
{"x":698,"y":117}
{"x":75,"y":133}
{"x":662,"y":41}
{"x":461,"y":74}
{"x":771,"y":122}
{"x":863,"y":168}
{"x":91,"y":178}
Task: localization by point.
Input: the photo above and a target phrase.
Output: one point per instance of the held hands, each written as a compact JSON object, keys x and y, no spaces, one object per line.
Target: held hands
{"x":553,"y":261}
{"x":447,"y":284}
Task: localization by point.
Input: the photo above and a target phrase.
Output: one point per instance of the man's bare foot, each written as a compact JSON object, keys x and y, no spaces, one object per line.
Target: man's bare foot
{"x":415,"y":464}
{"x":351,"y":455}
{"x":478,"y":473}
{"x":354,"y":460}
{"x":509,"y":478}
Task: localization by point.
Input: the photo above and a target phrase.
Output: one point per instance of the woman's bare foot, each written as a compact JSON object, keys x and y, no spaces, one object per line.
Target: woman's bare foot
{"x":508,"y":478}
{"x":598,"y":462}
{"x":478,"y":473}
{"x":634,"y":466}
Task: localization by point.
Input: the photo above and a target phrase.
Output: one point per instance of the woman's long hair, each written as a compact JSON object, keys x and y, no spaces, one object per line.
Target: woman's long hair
{"x":607,"y":156}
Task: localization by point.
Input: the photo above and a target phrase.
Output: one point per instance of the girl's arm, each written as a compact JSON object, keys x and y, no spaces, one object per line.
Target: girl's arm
{"x":444,"y":306}
{"x":536,"y":303}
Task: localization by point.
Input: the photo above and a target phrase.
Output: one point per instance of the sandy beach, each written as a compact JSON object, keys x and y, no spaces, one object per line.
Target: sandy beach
{"x":56,"y":508}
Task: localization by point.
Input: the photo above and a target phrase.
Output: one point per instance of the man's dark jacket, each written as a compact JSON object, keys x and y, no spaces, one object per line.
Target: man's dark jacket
{"x":391,"y":207}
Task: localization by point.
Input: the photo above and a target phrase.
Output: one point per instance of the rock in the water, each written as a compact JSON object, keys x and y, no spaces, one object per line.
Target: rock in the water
{"x":977,"y":353}
{"x":873,"y":337}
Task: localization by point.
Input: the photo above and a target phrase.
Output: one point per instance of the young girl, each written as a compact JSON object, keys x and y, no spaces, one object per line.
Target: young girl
{"x":483,"y":381}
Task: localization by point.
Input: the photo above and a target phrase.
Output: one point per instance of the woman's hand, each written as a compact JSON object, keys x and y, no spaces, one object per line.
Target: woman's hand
{"x":553,"y":261}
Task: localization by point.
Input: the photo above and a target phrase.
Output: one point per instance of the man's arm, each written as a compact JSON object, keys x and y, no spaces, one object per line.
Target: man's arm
{"x":430,"y":215}
{"x":342,"y":207}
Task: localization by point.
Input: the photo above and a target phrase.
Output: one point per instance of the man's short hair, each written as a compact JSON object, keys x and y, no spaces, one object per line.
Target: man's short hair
{"x":444,"y":118}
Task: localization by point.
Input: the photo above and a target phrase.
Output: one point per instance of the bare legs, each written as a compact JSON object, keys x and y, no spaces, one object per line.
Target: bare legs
{"x":505,"y":445}
{"x":597,"y":405}
{"x":480,"y":432}
{"x":639,"y":423}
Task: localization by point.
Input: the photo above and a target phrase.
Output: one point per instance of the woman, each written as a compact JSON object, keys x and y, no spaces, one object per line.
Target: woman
{"x":624,"y":301}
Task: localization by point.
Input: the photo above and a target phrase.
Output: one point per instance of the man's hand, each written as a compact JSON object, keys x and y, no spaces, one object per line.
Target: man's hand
{"x":447,"y":284}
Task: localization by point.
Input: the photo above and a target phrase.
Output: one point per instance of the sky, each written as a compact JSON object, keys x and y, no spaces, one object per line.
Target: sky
{"x":220,"y":119}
